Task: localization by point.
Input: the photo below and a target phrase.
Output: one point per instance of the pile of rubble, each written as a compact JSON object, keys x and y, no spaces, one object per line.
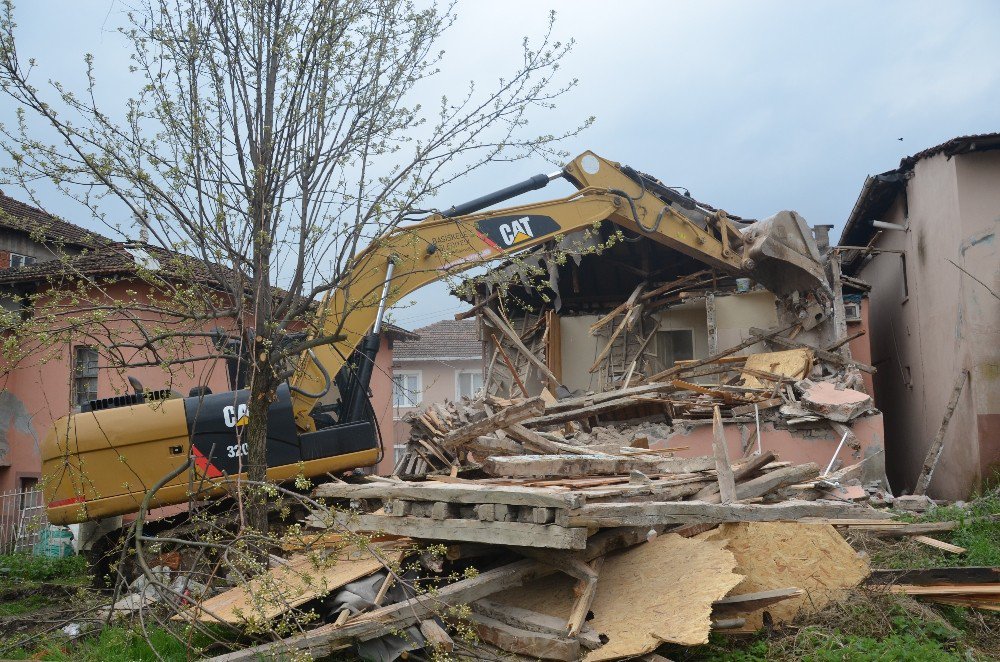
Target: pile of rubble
{"x":548,"y":531}
{"x":587,"y":541}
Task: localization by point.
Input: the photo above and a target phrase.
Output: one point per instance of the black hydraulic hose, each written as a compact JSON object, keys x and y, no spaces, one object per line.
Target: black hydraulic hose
{"x":326,"y":377}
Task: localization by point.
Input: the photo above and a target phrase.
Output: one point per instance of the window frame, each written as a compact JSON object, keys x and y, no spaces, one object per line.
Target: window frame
{"x":78,"y":377}
{"x":694,"y":351}
{"x":458,"y":380}
{"x":418,"y":391}
{"x":24,"y":260}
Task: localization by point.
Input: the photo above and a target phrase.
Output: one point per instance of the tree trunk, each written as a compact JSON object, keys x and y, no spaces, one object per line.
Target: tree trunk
{"x":262,"y":394}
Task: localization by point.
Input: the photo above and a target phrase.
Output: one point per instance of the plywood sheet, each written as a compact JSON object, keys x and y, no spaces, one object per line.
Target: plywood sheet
{"x":794,"y":363}
{"x":283,"y":588}
{"x":656,"y":592}
{"x":813,"y":557}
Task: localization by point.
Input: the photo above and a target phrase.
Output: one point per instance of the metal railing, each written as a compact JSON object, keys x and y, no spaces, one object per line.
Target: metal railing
{"x":22,"y":520}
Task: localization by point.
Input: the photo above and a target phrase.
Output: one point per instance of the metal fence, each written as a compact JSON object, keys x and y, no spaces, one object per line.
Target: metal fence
{"x":22,"y":520}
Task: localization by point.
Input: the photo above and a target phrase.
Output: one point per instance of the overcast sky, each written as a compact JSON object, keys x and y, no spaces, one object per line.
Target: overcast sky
{"x":753,"y":106}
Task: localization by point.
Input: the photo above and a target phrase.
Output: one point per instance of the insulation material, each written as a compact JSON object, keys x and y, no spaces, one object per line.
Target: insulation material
{"x":772,"y":555}
{"x":660,"y":591}
{"x":794,"y":363}
{"x":288,"y":586}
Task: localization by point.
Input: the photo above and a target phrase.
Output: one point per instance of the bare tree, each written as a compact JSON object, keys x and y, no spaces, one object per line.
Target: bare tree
{"x":271,"y":140}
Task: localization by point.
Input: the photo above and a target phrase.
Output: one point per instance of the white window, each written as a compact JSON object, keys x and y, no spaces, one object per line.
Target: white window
{"x":406,"y":388}
{"x":18,"y":260}
{"x":470,"y":383}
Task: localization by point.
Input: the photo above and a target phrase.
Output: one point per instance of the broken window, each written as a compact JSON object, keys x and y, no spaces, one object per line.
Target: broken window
{"x":673,"y":346}
{"x":85,"y":375}
{"x":470,"y":383}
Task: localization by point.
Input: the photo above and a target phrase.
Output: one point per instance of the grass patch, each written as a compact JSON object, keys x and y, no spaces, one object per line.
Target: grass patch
{"x":867,"y":627}
{"x":978,"y":531}
{"x":23,"y":605}
{"x":40,"y":568}
{"x":117,"y":644}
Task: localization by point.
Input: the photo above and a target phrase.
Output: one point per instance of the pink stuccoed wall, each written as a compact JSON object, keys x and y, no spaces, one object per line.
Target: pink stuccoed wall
{"x":942,"y":322}
{"x":796,"y":446}
{"x":38,"y":391}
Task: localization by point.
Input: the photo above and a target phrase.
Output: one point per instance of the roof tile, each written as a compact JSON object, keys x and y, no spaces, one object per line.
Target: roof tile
{"x":447,"y":338}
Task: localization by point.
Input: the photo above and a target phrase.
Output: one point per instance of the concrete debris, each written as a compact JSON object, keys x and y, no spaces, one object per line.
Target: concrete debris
{"x":836,"y":404}
{"x":916,"y":503}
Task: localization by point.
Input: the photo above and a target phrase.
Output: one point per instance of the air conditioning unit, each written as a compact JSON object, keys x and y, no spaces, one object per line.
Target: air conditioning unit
{"x":852,"y":312}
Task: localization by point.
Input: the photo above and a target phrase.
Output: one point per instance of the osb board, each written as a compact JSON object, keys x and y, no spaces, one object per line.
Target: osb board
{"x":772,"y":555}
{"x":283,"y":588}
{"x":794,"y":363}
{"x":658,"y":591}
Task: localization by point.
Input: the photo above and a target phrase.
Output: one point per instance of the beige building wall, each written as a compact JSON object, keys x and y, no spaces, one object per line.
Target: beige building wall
{"x":735,"y":314}
{"x":438,"y":381}
{"x":929,"y":321}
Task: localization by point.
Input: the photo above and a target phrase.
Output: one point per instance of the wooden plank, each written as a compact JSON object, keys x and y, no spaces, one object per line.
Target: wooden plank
{"x":503,"y":418}
{"x":843,"y":341}
{"x":320,"y":641}
{"x":510,"y":366}
{"x":583,"y":412}
{"x":692,"y":512}
{"x":521,"y":534}
{"x":735,"y":604}
{"x":535,"y":621}
{"x":516,"y":341}
{"x":937,"y":444}
{"x":939,"y":544}
{"x":740,"y":473}
{"x":567,"y":404}
{"x":460,"y":493}
{"x":619,"y":309}
{"x":291,"y":585}
{"x":945,"y":589}
{"x":540,"y":444}
{"x":436,"y":637}
{"x":537,"y":645}
{"x":971,"y":601}
{"x":911,"y":529}
{"x":526,"y":466}
{"x":930,"y":576}
{"x":723,"y":468}
{"x":631,"y":315}
{"x":585,"y":600}
{"x":770,"y":403}
{"x":678,"y":282}
{"x":553,"y":346}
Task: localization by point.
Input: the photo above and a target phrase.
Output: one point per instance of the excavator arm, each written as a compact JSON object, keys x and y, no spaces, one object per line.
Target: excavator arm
{"x":463,"y":237}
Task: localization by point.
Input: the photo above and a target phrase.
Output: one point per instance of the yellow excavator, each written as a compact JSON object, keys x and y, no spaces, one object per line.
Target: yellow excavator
{"x":101,"y":461}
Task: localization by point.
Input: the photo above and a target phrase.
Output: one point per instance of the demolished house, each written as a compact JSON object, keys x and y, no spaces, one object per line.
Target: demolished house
{"x":651,"y":341}
{"x":659,"y":451}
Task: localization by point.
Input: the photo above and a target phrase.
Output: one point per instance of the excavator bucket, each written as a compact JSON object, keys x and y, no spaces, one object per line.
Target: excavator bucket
{"x":782,"y":255}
